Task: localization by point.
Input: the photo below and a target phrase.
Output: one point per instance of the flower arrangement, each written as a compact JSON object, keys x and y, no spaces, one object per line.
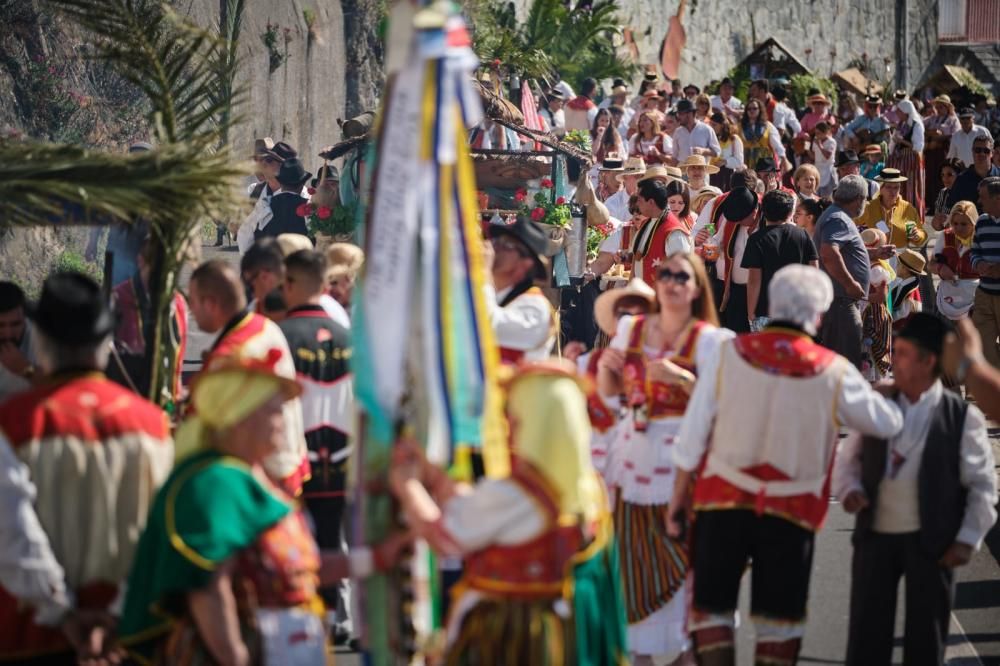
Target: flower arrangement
{"x":335,"y":221}
{"x":595,"y":236}
{"x":545,"y":207}
{"x":579,"y":138}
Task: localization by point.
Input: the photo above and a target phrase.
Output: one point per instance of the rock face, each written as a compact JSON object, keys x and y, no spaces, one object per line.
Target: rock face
{"x":826,"y":35}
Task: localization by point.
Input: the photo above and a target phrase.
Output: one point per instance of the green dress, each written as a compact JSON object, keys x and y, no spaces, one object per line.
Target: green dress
{"x":210,"y":508}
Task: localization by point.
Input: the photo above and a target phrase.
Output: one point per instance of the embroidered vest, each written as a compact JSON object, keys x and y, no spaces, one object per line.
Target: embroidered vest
{"x":652,"y":253}
{"x":951,"y":254}
{"x":656,"y":400}
{"x":535,"y":569}
{"x":942,"y":496}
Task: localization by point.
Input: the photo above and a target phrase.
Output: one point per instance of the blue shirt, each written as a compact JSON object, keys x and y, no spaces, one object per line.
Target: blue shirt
{"x":835,"y":227}
{"x":986,"y":247}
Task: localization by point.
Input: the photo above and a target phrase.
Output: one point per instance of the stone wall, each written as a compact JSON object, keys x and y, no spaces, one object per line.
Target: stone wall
{"x":826,"y":35}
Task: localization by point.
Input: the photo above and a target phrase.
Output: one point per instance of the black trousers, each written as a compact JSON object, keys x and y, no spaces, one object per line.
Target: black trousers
{"x":734,"y":317}
{"x":328,"y":516}
{"x":879,"y":562}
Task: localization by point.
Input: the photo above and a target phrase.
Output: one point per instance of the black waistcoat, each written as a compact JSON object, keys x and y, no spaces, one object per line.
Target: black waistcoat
{"x":941,"y":493}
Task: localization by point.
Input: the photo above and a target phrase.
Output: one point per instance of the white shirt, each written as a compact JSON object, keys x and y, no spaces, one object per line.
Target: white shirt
{"x":636,"y":144}
{"x":702,"y":136}
{"x":617,"y":205}
{"x":556,"y":121}
{"x":28,"y":568}
{"x":784,"y":118}
{"x":917,"y":139}
{"x":961,"y":143}
{"x":733,"y":154}
{"x":335,"y":310}
{"x":524,"y":324}
{"x":976,"y":470}
{"x":824,"y":164}
{"x":858,"y":406}
{"x":739,"y":275}
{"x":733,"y":104}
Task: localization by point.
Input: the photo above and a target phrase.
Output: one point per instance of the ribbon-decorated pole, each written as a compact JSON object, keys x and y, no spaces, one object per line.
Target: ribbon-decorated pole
{"x":424,"y":353}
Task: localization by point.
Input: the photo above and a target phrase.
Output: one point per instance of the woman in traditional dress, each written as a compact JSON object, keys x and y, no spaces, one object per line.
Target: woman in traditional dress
{"x":679,"y":202}
{"x":227,"y":570}
{"x":730,"y":159}
{"x":649,"y":142}
{"x":760,"y":137}
{"x":894,"y":215}
{"x":653,"y":361}
{"x":605,"y":139}
{"x":949,"y":172}
{"x":952,"y":262}
{"x":539,"y":584}
{"x":906,"y":153}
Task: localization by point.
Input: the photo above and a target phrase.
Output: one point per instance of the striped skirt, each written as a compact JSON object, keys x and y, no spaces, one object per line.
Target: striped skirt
{"x":653,"y":565}
{"x":911,"y":164}
{"x":509,"y":632}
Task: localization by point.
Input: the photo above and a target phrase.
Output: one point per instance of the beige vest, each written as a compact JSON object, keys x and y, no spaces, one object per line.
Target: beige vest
{"x":794,"y":430}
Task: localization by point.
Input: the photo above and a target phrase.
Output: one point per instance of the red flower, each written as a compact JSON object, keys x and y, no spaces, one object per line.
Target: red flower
{"x":560,"y":201}
{"x":323,"y":212}
{"x":311,"y":190}
{"x":520,"y":195}
{"x":538,"y":214}
{"x":547,"y":182}
{"x":304,"y":210}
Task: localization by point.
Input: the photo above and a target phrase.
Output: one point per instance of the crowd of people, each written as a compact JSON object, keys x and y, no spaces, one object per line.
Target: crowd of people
{"x":766,"y":283}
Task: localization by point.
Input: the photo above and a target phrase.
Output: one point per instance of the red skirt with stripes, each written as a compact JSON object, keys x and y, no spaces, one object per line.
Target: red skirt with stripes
{"x":653,"y":565}
{"x":911,"y":164}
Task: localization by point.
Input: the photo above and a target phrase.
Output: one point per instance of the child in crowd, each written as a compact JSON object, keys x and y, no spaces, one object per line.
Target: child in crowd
{"x":824,"y":148}
{"x":876,"y":322}
{"x":871,"y":163}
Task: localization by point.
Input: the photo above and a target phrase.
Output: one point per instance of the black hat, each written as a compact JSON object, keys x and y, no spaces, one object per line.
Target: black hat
{"x":531,"y":236}
{"x":72,"y":310}
{"x":846,"y":157}
{"x":765,"y":165}
{"x":739,"y":203}
{"x":684,"y":106}
{"x":691,"y":85}
{"x":717,"y":118}
{"x":873,"y":99}
{"x":556,"y":93}
{"x":292,"y":173}
{"x":281,"y":151}
{"x":726,"y":81}
{"x":651,"y":76}
{"x":327,"y":172}
{"x":966,"y":112}
{"x":926,"y":331}
{"x":619,"y":82}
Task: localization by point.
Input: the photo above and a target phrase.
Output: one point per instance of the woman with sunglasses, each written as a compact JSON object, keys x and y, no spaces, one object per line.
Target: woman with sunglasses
{"x":652,"y":363}
{"x":760,"y":137}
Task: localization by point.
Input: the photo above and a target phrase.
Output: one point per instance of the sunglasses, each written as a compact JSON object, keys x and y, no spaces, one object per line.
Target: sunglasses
{"x":982,"y":151}
{"x":680,"y":277}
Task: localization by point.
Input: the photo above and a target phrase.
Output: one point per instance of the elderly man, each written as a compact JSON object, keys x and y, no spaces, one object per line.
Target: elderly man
{"x":522,"y":317}
{"x":762,"y":490}
{"x":693,"y":137}
{"x":218,"y":305}
{"x":96,"y":453}
{"x":843,"y":257}
{"x":924,"y":499}
{"x":871,"y":126}
{"x":848,"y":164}
{"x":962,"y":140}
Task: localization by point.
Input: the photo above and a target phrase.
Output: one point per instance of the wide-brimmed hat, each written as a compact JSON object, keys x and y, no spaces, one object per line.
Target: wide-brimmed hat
{"x":873,"y":238}
{"x":531,"y":236}
{"x":281,"y":151}
{"x":604,"y":306}
{"x":619,"y":90}
{"x":704,"y":195}
{"x":651,"y":94}
{"x":684,"y":106}
{"x":913,"y":260}
{"x":326,"y":172}
{"x":556,"y":93}
{"x":651,"y":76}
{"x":72,"y":309}
{"x":697,"y":161}
{"x":899,"y":94}
{"x":819,"y":98}
{"x":890,"y":175}
{"x":766,"y":165}
{"x":873,"y":99}
{"x":634,"y":166}
{"x":739,"y":204}
{"x":292,"y":173}
{"x":845,"y":157}
{"x":872,"y":148}
{"x":943,"y":99}
{"x":656,"y":171}
{"x":613,"y":162}
{"x":967,"y":112}
{"x":262,"y":147}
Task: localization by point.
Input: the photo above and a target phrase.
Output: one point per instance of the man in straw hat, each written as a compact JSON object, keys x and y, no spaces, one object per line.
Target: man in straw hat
{"x":516,"y":260}
{"x":896,"y":217}
{"x":943,"y":124}
{"x":871,"y":126}
{"x":96,"y":454}
{"x":696,"y":170}
{"x":761,"y":494}
{"x":924,"y":500}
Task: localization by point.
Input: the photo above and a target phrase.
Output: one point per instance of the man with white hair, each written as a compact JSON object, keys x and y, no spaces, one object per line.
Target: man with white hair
{"x":843,"y":256}
{"x":763,"y":492}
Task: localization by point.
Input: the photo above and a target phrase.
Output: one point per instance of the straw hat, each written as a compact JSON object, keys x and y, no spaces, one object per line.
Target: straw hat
{"x":890,"y":175}
{"x":696,"y":161}
{"x":817,"y":99}
{"x":703,"y":196}
{"x":873,"y":238}
{"x":619,"y":90}
{"x":871,"y":149}
{"x":604,"y":306}
{"x":943,"y":99}
{"x":656,"y":171}
{"x":912,"y":260}
{"x":634,"y":166}
{"x":675,"y":173}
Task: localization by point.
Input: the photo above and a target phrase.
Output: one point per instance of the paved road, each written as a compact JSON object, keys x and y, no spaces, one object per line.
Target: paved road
{"x":975,"y":635}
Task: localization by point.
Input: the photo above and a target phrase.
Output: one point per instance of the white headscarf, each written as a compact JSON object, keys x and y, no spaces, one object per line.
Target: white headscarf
{"x":906,"y":106}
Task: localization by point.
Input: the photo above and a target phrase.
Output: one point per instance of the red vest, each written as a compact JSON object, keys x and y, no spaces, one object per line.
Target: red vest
{"x":659,"y":400}
{"x":656,"y":249}
{"x":962,"y":265}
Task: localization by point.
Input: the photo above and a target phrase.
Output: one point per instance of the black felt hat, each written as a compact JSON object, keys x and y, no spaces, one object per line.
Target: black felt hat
{"x":765,"y":165}
{"x":72,"y":310}
{"x":530,"y":236}
{"x":926,"y":331}
{"x":326,"y":172}
{"x":739,"y":204}
{"x":292,"y":173}
{"x":845,"y":157}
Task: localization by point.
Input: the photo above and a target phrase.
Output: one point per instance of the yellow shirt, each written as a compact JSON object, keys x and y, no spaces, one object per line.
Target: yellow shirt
{"x":895,"y":219}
